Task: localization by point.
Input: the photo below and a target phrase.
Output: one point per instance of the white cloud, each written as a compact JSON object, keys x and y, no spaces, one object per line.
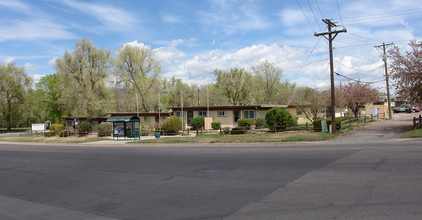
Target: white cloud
{"x":37,"y":77}
{"x":52,"y":62}
{"x":7,"y":60}
{"x":16,"y":5}
{"x":234,"y":16}
{"x":199,"y":69}
{"x":111,"y":17}
{"x":171,"y":18}
{"x":29,"y":67}
{"x":34,"y":29}
{"x":291,"y":17}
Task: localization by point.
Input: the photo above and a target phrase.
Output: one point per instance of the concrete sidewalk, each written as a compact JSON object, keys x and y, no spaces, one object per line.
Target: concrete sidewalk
{"x":122,"y":142}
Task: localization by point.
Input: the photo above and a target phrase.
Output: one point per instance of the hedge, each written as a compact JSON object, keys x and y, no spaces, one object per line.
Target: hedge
{"x":247,"y":123}
{"x":216,"y":125}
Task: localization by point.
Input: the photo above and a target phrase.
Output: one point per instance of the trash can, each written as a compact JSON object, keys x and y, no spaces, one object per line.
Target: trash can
{"x":157,"y":134}
{"x":324,"y":127}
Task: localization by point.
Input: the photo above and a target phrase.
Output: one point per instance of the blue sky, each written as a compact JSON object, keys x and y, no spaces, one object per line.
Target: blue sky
{"x":193,"y":38}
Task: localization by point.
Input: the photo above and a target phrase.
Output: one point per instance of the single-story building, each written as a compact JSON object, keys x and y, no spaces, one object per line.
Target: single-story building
{"x":95,"y":121}
{"x":227,"y":115}
{"x":154,"y":117}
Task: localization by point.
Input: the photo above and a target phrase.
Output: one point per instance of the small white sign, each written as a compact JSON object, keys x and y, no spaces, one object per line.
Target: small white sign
{"x":38,"y":127}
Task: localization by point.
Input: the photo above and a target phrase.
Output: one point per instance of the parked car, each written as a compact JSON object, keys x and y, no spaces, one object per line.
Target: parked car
{"x":416,"y":108}
{"x":403,"y":108}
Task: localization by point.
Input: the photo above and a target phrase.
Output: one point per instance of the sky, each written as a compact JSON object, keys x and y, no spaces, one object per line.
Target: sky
{"x":193,"y":38}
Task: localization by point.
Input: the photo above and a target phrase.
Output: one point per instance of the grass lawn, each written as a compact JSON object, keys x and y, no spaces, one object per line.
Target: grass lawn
{"x":245,"y":138}
{"x":40,"y":139}
{"x":417,"y":133}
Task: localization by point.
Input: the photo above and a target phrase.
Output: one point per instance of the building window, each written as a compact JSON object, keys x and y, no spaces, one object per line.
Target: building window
{"x":322,"y":110}
{"x":179,"y":114}
{"x":202,"y":113}
{"x":299,"y":112}
{"x":69,"y":123}
{"x":249,"y":114}
{"x":222,"y":114}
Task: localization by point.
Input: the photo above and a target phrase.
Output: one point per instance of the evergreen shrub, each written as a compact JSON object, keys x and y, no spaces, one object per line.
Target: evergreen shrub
{"x":172,"y":125}
{"x":197,"y":123}
{"x":247,"y":123}
{"x":216,"y":125}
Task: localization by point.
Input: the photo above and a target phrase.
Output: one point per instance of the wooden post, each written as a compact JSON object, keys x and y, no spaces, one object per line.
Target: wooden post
{"x":220,"y":130}
{"x":350,"y":122}
{"x":306,"y":126}
{"x":414,"y":122}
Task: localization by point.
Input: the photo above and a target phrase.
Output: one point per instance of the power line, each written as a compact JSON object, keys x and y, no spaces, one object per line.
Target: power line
{"x":338,"y":7}
{"x":306,"y":60}
{"x":319,"y":8}
{"x":314,"y":15}
{"x":366,"y":71}
{"x":305,"y":16}
{"x":356,"y":80}
{"x":306,"y":64}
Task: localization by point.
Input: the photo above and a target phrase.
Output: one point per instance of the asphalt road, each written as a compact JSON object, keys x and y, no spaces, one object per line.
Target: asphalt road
{"x":327,"y":180}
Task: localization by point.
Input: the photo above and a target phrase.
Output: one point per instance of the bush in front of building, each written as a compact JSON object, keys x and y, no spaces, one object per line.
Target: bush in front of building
{"x":197,"y":123}
{"x":246,"y":123}
{"x":105,"y":129}
{"x":226,"y":130}
{"x":317,"y":124}
{"x":216,"y":125}
{"x":146,"y":127}
{"x":64,"y":134}
{"x":238,"y":130}
{"x":260,"y":122}
{"x":56,"y":128}
{"x":172,"y":125}
{"x":84,"y":127}
{"x":278,"y":117}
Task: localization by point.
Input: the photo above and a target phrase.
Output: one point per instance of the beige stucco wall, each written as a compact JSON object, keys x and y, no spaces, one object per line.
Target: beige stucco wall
{"x":382,"y":109}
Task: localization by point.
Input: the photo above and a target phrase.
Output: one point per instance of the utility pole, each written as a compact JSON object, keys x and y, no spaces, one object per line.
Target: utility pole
{"x":331,"y":35}
{"x":384,"y":58}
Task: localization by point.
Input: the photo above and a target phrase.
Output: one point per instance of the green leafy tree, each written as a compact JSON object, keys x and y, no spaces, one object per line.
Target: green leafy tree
{"x":137,"y":70}
{"x":83,"y":73}
{"x":50,"y":93}
{"x":278,"y":117}
{"x":235,"y":85}
{"x":14,"y":84}
{"x":268,"y":78}
{"x":310,"y":101}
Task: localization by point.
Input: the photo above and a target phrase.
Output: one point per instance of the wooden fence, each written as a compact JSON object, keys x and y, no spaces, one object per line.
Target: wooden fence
{"x":417,"y":121}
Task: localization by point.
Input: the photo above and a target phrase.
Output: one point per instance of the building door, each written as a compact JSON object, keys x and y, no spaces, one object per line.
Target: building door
{"x":190,"y":116}
{"x":236,"y":116}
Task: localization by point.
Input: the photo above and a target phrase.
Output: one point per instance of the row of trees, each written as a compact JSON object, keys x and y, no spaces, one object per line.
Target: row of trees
{"x":89,"y":81}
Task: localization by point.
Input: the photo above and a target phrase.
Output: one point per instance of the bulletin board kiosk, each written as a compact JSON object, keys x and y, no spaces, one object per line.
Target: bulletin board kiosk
{"x":126,"y":127}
